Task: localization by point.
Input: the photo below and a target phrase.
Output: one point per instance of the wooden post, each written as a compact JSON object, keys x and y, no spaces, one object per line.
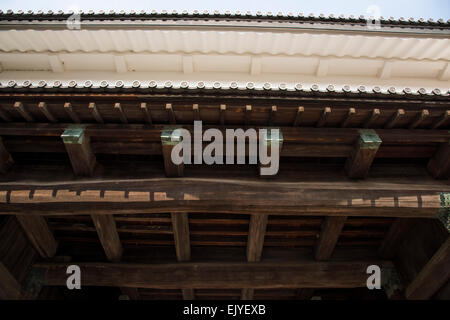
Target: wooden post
{"x":6,"y":161}
{"x":180,"y":226}
{"x":439,"y":164}
{"x":39,"y":234}
{"x":109,"y":238}
{"x":168,"y":141}
{"x":78,"y":147}
{"x":359,"y":162}
{"x":329,"y":235}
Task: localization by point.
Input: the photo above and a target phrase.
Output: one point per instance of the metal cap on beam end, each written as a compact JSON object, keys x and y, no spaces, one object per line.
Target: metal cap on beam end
{"x":169,"y":137}
{"x":268,"y":138}
{"x":368,"y":139}
{"x":74,"y":134}
{"x":444,"y":211}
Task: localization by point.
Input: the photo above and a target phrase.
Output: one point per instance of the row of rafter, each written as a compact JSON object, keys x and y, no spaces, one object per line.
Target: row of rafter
{"x":353,"y":117}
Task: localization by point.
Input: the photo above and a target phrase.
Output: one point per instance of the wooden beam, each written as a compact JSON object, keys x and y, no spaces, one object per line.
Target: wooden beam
{"x":365,"y":149}
{"x":78,"y":148}
{"x":298,"y":116}
{"x":441,"y":120}
{"x":247,"y":114}
{"x":123,"y":117}
{"x":339,"y":196}
{"x":71,"y":113}
{"x":218,"y":275}
{"x":419,"y":119}
{"x":223,"y":109}
{"x":39,"y":234}
{"x":399,"y":114}
{"x":9,"y":287}
{"x":272,"y":115}
{"x":394,"y":237}
{"x":180,"y":225}
{"x":95,"y":113}
{"x":350,"y":115}
{"x":24,"y":113}
{"x":329,"y":235}
{"x":439,"y":164}
{"x":433,"y":276}
{"x":43,"y":107}
{"x":196,"y":112}
{"x":109,"y":238}
{"x":146,"y":110}
{"x":373,"y":116}
{"x":168,"y":142}
{"x":170,"y":113}
{"x":6,"y":160}
{"x":323,"y":117}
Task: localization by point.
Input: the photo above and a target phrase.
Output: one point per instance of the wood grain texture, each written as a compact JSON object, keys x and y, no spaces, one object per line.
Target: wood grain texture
{"x":9,"y":287}
{"x":439,"y":164}
{"x":109,"y":238}
{"x":81,"y":157}
{"x":256,"y":234}
{"x":39,"y":234}
{"x":180,"y":225}
{"x":329,"y":235}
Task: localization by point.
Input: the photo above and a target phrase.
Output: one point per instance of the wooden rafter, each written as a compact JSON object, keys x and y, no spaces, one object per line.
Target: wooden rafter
{"x":39,"y":234}
{"x":329,"y":235}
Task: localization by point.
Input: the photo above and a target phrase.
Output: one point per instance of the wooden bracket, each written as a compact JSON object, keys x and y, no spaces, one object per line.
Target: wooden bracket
{"x":78,"y":147}
{"x":359,"y":162}
{"x":168,"y":141}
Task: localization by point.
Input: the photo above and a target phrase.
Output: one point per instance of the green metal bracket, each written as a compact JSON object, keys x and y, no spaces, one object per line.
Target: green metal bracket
{"x":268,"y":138}
{"x":34,"y":281}
{"x":74,"y":134}
{"x":444,"y":211}
{"x":168,"y":137}
{"x":368,"y":139}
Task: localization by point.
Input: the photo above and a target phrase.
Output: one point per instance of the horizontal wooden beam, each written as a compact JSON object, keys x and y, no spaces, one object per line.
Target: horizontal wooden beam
{"x":218,"y":275}
{"x":404,"y":197}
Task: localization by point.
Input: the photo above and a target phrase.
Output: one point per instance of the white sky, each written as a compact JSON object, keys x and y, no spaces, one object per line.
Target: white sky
{"x":396,"y":8}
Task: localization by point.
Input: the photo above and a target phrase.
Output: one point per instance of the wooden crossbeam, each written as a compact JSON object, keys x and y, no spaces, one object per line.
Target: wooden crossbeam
{"x":219,"y":275}
{"x":439,"y":164}
{"x":39,"y":234}
{"x":168,"y":142}
{"x":71,"y":112}
{"x":23,"y":112}
{"x":433,"y":276}
{"x":255,"y":245}
{"x":360,"y":160}
{"x":78,"y":147}
{"x":370,"y":197}
{"x":109,"y":238}
{"x":6,"y":160}
{"x":43,"y":107}
{"x":10,"y":288}
{"x":329,"y":235}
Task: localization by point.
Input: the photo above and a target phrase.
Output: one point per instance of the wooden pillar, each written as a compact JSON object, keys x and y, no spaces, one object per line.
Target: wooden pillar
{"x":255,"y":245}
{"x":180,"y":227}
{"x":439,"y":164}
{"x":267,"y":141}
{"x":108,"y":235}
{"x":359,"y":162}
{"x":6,"y":161}
{"x":39,"y":234}
{"x":168,"y":142}
{"x":329,"y":235}
{"x":78,"y":147}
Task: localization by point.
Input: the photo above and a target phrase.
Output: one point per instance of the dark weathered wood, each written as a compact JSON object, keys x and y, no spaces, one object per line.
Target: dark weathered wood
{"x":220,"y":275}
{"x":399,"y":114}
{"x":441,"y":120}
{"x":247,"y":294}
{"x":256,"y":234}
{"x":393,"y":238}
{"x":6,"y":160}
{"x":373,"y":116}
{"x":167,"y":145}
{"x":95,"y":113}
{"x":329,"y":235}
{"x":188,"y":294}
{"x":23,"y":112}
{"x":439,"y":164}
{"x":170,"y":114}
{"x":39,"y":234}
{"x":180,"y":225}
{"x":71,"y":112}
{"x":433,"y":276}
{"x":323,"y":117}
{"x":43,"y":107}
{"x":196,"y":112}
{"x":78,"y":147}
{"x":298,"y":116}
{"x":147,"y":114}
{"x":9,"y":287}
{"x":272,"y":115}
{"x":419,"y":119}
{"x":399,"y":197}
{"x":350,"y":114}
{"x":247,"y":114}
{"x":131,"y":293}
{"x":304,"y":293}
{"x":223,"y":109}
{"x":5,"y":116}
{"x":122,"y":116}
{"x":365,"y":149}
{"x":109,"y":238}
